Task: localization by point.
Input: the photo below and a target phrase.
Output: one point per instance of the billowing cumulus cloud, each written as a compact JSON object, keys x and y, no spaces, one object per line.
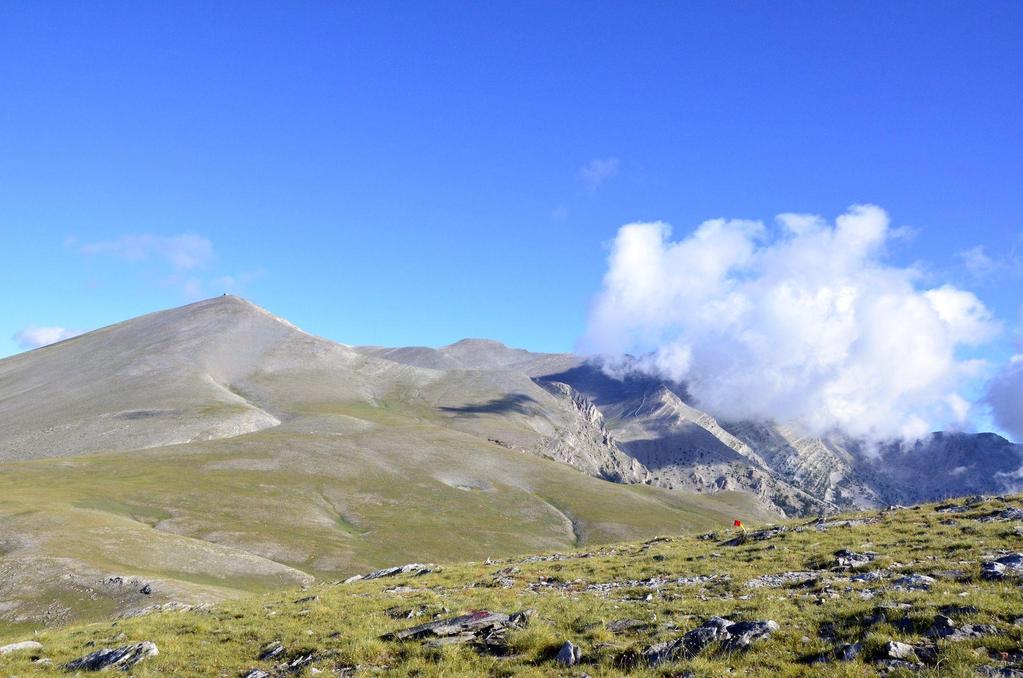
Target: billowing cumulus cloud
{"x":804,"y":322}
{"x":34,"y":336}
{"x":1005,"y":396}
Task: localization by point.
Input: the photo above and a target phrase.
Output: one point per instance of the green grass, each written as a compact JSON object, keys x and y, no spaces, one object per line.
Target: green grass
{"x":319,"y":498}
{"x":346,"y":621}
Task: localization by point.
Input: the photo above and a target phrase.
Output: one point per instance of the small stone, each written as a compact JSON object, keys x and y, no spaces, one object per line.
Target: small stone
{"x":851,"y":560}
{"x":569,"y":654}
{"x":522,"y":617}
{"x":897,"y":650}
{"x":847,"y":652}
{"x":146,"y":590}
{"x":626,"y":625}
{"x":256,"y":673}
{"x":270,"y":651}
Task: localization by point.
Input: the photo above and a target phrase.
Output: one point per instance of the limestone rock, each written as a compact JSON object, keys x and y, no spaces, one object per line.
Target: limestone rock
{"x":569,"y":654}
{"x":995,"y":570}
{"x":896,"y":650}
{"x":122,"y":657}
{"x":23,"y":646}
{"x":741,"y":635}
{"x":851,"y":560}
{"x":914,"y":582}
{"x":414,"y":569}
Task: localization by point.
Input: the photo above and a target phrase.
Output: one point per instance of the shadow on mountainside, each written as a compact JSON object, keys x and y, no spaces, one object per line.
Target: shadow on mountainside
{"x":512,"y":402}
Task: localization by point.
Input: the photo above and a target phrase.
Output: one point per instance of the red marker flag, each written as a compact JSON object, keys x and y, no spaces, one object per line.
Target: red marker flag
{"x":737,"y":523}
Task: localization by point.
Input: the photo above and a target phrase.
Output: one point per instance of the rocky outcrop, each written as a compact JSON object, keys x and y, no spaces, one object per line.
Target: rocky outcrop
{"x":586,"y":444}
{"x":122,"y":658}
{"x":414,"y":569}
{"x":732,"y":635}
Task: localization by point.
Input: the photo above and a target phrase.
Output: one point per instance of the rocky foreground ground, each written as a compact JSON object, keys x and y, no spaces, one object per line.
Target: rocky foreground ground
{"x":928,"y":590}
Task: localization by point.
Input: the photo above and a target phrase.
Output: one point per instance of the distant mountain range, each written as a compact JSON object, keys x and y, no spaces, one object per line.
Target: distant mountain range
{"x":215,"y":448}
{"x":652,"y":433}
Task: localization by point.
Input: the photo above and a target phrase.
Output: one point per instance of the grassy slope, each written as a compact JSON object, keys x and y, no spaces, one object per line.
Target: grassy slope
{"x":347,"y":620}
{"x":319,"y":497}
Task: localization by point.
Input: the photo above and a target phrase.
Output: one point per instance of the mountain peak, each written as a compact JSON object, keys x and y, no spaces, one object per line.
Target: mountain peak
{"x":475,"y":342}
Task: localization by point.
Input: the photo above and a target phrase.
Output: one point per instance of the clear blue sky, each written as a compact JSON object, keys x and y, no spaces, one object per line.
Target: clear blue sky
{"x":414,"y":173}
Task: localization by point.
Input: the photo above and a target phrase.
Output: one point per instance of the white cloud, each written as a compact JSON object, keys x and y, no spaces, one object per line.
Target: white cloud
{"x":809,"y":325}
{"x":34,"y":336}
{"x":1005,"y":396}
{"x":183,"y":252}
{"x":597,"y":171}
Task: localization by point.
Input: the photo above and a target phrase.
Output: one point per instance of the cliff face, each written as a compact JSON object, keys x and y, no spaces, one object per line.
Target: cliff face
{"x":586,"y":443}
{"x":682,"y":447}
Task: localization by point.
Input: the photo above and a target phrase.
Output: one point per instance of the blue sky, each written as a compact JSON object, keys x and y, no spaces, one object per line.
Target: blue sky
{"x":413,"y":173}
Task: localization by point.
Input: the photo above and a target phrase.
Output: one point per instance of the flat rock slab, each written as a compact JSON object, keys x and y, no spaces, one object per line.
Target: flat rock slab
{"x":414,"y":569}
{"x":122,"y":657}
{"x":733,"y":636}
{"x":23,"y":646}
{"x":914,"y":582}
{"x":774,"y":581}
{"x":993,"y":570}
{"x":468,"y":624}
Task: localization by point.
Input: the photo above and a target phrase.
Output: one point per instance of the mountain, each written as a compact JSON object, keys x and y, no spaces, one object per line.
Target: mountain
{"x":216,"y":449}
{"x":675,"y":445}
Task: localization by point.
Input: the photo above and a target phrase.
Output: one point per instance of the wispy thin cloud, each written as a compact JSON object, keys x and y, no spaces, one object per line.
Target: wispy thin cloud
{"x":982,"y":265}
{"x":560,"y":213}
{"x":35,"y":336}
{"x":183,"y":252}
{"x":233,"y":284}
{"x":596,"y":172}
{"x":185,"y":261}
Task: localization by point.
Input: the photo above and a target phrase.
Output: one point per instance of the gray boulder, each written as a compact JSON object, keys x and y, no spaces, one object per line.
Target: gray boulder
{"x":569,"y":654}
{"x":1000,"y":568}
{"x":741,"y":635}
